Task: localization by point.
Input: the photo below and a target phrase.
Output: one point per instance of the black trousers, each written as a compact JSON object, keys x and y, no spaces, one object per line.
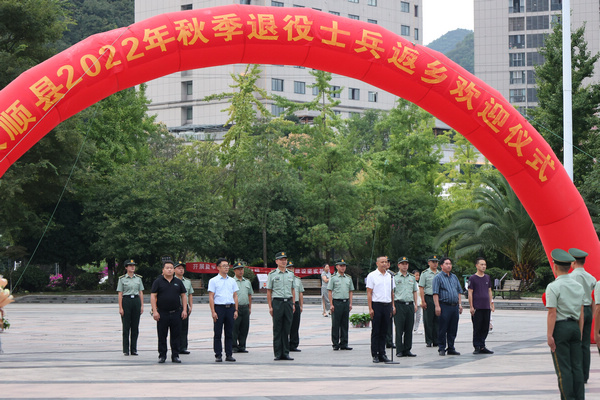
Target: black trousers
{"x":585,"y":341}
{"x":169,"y":321}
{"x":131,"y":322}
{"x":447,"y":326}
{"x":567,"y":360}
{"x":295,"y":328}
{"x":430,"y":321}
{"x":241,"y":326}
{"x":381,"y":321}
{"x":224,"y":320}
{"x":282,"y":323}
{"x":339,"y":323}
{"x":185,"y":326}
{"x":404,"y":321}
{"x":481,"y":327}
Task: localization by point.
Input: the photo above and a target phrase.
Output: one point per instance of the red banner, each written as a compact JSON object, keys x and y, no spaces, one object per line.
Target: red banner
{"x":211,"y":268}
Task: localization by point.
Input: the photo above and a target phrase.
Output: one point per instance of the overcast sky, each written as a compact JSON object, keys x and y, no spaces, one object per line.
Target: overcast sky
{"x":441,"y":16}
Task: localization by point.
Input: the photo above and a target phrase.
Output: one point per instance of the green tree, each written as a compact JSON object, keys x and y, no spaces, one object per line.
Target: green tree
{"x":499,"y":223}
{"x":548,"y":116}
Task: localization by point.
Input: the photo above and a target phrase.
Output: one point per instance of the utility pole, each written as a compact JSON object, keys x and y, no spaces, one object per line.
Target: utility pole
{"x":567,"y":89}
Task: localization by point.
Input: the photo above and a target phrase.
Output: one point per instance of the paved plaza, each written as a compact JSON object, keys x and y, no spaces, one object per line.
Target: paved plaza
{"x":74,"y":351}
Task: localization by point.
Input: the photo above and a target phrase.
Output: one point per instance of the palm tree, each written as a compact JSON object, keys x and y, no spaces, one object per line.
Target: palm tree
{"x":499,"y":223}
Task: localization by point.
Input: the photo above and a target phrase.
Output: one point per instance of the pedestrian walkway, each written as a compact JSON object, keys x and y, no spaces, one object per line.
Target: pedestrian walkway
{"x":74,"y":351}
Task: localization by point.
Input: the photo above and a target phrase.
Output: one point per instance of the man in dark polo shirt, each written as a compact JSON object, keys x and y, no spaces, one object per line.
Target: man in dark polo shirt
{"x":167,"y":297}
{"x":447,"y":296}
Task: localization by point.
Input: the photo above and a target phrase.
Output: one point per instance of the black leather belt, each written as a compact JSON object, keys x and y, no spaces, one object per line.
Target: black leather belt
{"x":406,"y":303}
{"x":449,"y":304}
{"x":342,"y":300}
{"x":131,"y":296}
{"x":282,"y":299}
{"x":225,"y":305}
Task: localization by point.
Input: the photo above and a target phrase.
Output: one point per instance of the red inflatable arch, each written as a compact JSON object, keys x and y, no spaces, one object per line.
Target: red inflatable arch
{"x":105,"y":63}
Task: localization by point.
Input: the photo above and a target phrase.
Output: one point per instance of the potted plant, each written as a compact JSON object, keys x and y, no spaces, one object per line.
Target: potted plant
{"x":360,"y":320}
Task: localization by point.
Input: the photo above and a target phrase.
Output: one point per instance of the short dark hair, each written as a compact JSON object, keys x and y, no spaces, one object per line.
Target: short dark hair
{"x":415,"y":270}
{"x":562,"y":266}
{"x":443,"y":260}
{"x":479,"y":259}
{"x":220,"y":260}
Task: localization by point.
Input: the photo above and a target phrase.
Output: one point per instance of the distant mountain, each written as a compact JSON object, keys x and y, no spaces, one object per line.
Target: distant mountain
{"x":457,"y":45}
{"x":449,"y":40}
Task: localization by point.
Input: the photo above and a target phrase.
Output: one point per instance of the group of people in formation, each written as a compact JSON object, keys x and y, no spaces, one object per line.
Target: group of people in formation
{"x":393,"y":301}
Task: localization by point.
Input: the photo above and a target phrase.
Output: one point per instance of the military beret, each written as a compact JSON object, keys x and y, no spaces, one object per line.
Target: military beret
{"x":433,"y":258}
{"x":577,"y":253}
{"x":402,"y":259}
{"x":341,"y":262}
{"x":130,"y":262}
{"x":238,"y":265}
{"x":561,"y":257}
{"x":281,"y":254}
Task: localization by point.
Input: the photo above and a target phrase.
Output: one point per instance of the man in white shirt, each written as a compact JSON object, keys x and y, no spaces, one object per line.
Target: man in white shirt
{"x":380,"y":289}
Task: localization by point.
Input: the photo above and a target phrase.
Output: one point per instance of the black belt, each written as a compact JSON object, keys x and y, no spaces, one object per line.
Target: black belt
{"x":130,"y":296}
{"x":380,"y":302}
{"x":282,"y":299}
{"x":568,"y":320}
{"x":406,"y":303}
{"x":243,"y":305}
{"x":225,"y":305}
{"x":170,"y":312}
{"x":588,"y":306}
{"x":342,"y":300}
{"x":449,"y":304}
{"x":428,"y":295}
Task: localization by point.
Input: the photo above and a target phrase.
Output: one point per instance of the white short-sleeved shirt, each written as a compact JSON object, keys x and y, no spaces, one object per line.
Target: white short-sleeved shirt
{"x":223,"y":288}
{"x":382,"y":285}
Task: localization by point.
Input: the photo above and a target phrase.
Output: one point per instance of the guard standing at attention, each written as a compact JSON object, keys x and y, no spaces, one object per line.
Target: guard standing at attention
{"x":167,"y":298}
{"x":131,"y":306}
{"x":185,"y":324}
{"x":280,"y":296}
{"x":564,"y":300}
{"x":298,"y":306}
{"x":430,"y":320}
{"x":241,"y":325}
{"x":405,"y":299}
{"x":588,"y":282}
{"x":340,"y":288}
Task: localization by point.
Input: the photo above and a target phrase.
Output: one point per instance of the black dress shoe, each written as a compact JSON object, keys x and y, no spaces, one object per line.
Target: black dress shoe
{"x":134,"y":353}
{"x":442,"y":353}
{"x":376,"y":359}
{"x":277,"y":359}
{"x":485,"y":350}
{"x":384,"y":358}
{"x":126,"y":353}
{"x":184,"y":352}
{"x":409,"y":354}
{"x":242,"y":351}
{"x":390,"y":346}
{"x":336,"y":347}
{"x":288,"y":358}
{"x":346,"y":348}
{"x":429,"y":345}
{"x":236,"y":351}
{"x":161,"y":360}
{"x":218,"y":359}
{"x":176,"y":360}
{"x":230,"y":359}
{"x":296,"y":350}
{"x":477,"y":350}
{"x":399,"y":355}
{"x":453,"y":353}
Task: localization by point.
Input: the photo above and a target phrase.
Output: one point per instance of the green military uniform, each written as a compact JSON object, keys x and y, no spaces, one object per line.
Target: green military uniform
{"x":404,"y":320}
{"x":430,"y":320}
{"x":241,"y":326}
{"x":566,"y":296}
{"x":185,"y":324}
{"x":587,"y":281}
{"x":295,"y":328}
{"x":340,"y":287}
{"x":130,"y":287}
{"x":281,"y":284}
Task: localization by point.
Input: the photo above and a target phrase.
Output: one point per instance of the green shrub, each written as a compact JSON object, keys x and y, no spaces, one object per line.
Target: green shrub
{"x":87,"y":281}
{"x":33,"y":280}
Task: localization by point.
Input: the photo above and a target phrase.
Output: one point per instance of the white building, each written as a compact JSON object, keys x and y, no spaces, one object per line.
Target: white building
{"x":508,"y":34}
{"x":177,"y":98}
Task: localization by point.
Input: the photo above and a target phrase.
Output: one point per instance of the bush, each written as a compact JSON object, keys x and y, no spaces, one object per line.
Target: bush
{"x":87,"y":281}
{"x":33,"y":280}
{"x":543,"y":276}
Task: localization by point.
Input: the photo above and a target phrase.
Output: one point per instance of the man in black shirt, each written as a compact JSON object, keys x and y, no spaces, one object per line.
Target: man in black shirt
{"x":167,"y":297}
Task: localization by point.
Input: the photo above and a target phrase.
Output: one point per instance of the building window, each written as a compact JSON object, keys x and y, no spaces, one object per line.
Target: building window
{"x":516,"y":6}
{"x":277,"y":85}
{"x":538,"y":22}
{"x":315,"y":91}
{"x":299,"y":6}
{"x":372,"y":3}
{"x":405,"y":6}
{"x":334,"y":13}
{"x":534,"y":58}
{"x":516,"y":59}
{"x":531,"y":77}
{"x":555,"y":20}
{"x":353,"y":1}
{"x":337,"y":112}
{"x":536,"y":41}
{"x":416,"y":10}
{"x":532,"y":95}
{"x":187,"y":115}
{"x":299,"y":87}
{"x":516,"y":24}
{"x":555,"y":5}
{"x":276,"y":3}
{"x":188,"y":88}
{"x":372,"y":21}
{"x":516,"y":41}
{"x":373,"y":97}
{"x":354,"y":94}
{"x":299,"y":66}
{"x":244,"y":1}
{"x":537,"y":5}
{"x":185,"y":7}
{"x":335,"y":89}
{"x":405,"y":30}
{"x":416,"y":34}
{"x":517,"y":77}
{"x":352,"y":16}
{"x":517,"y":95}
{"x":276,"y":110}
